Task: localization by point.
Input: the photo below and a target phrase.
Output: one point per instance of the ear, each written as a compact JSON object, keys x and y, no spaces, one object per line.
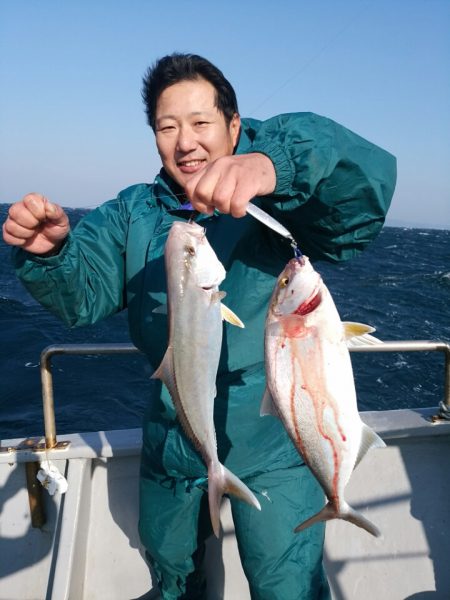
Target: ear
{"x":235,"y":128}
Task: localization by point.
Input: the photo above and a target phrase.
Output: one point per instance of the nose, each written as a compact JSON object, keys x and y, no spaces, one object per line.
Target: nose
{"x":186,"y":140}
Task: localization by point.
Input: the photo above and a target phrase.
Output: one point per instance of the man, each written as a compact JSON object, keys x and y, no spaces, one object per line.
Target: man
{"x":330,"y":188}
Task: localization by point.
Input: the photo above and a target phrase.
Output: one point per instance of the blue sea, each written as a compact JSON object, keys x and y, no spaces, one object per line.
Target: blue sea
{"x":400,"y":285}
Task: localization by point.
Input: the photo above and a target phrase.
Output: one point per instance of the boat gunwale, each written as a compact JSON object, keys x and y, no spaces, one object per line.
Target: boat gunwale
{"x":391,"y":425}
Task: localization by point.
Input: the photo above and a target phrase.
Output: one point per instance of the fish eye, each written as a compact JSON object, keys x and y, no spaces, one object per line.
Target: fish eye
{"x":190,"y":250}
{"x":284,"y":282}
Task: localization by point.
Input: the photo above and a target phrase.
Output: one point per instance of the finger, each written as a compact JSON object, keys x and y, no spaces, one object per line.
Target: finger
{"x":55,"y":213}
{"x":200,"y":188}
{"x":232,"y":194}
{"x":15,"y":230}
{"x":11,"y":239}
{"x":20,"y":214}
{"x":35,"y":203}
{"x":239,"y":201}
{"x":191,"y":183}
{"x":216,"y":193}
{"x":223,"y":193}
{"x":43,"y":210}
{"x":189,"y":189}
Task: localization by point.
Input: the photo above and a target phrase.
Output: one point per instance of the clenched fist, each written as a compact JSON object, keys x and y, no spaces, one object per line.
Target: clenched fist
{"x":230,"y":182}
{"x":36,"y":225}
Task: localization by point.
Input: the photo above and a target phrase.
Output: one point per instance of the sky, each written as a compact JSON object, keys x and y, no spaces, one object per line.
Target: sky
{"x":72,"y":122}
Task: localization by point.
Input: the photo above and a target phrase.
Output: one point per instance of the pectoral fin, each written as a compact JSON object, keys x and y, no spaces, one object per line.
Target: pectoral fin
{"x":230,"y":316}
{"x":267,"y":405}
{"x":358,"y":334}
{"x":218,"y":296}
{"x":352,"y":329}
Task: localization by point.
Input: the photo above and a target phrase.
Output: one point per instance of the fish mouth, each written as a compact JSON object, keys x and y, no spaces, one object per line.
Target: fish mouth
{"x":298,"y":261}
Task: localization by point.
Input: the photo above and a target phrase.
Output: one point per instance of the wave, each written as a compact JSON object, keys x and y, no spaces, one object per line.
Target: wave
{"x":399,"y":285}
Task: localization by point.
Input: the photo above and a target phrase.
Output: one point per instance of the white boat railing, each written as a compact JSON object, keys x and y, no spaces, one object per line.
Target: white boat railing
{"x":123,"y":348}
{"x":419,"y":346}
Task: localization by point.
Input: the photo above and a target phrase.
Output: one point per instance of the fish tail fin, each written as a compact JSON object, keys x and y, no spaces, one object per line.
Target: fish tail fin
{"x":360,"y":520}
{"x":215,"y":493}
{"x":234,"y":486}
{"x":347,"y":513}
{"x":222,"y":481}
{"x":327,"y":513}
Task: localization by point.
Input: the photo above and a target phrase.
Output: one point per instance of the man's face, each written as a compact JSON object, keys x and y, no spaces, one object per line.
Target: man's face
{"x":190,"y":131}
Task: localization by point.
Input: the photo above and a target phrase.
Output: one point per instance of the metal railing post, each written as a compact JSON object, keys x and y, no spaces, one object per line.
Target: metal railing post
{"x":447,"y":377}
{"x":47,"y":398}
{"x":47,"y":377}
{"x":417,"y":346}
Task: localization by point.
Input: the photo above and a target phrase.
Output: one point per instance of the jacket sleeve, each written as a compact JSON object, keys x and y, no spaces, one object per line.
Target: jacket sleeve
{"x":333,"y":187}
{"x":85,"y":281}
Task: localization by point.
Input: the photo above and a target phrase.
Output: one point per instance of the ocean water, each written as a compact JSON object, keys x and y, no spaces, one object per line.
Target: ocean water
{"x":400,"y":285}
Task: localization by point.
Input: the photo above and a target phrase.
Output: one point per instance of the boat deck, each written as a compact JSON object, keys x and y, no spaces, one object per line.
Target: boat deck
{"x":89,"y":549}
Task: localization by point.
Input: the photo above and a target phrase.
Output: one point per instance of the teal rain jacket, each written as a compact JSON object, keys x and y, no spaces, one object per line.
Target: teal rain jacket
{"x":332,"y":192}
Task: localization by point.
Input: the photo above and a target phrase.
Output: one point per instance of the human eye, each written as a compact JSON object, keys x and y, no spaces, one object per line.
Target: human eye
{"x":166,"y":128}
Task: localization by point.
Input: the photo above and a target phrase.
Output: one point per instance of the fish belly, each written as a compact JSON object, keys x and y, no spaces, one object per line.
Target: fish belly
{"x":312,"y":385}
{"x":196,"y":343}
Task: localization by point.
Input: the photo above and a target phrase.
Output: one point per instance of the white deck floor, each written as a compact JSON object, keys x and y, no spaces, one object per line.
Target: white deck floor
{"x":404,"y":489}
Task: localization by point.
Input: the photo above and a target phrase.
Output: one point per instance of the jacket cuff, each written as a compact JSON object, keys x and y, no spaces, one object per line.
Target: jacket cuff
{"x":284,"y":168}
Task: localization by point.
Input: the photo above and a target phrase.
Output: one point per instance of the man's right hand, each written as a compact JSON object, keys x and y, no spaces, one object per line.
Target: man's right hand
{"x":36,"y":225}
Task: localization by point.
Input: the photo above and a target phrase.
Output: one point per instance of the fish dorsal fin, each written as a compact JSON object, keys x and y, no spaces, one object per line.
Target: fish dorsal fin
{"x":369,"y":439}
{"x":230,"y":316}
{"x":352,"y":329}
{"x":267,"y":405}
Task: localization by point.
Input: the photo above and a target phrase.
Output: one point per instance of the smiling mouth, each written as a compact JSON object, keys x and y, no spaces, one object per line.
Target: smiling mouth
{"x":191,"y":163}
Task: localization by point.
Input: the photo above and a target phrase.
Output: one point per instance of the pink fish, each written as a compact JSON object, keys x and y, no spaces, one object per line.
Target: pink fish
{"x":310,"y":386}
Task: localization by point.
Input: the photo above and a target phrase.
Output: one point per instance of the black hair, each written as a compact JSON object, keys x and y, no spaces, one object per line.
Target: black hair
{"x":177,"y":67}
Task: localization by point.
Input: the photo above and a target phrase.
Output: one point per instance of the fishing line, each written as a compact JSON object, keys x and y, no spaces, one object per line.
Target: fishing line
{"x":305,"y":65}
{"x":297,"y":252}
{"x":186,"y":206}
{"x":286,"y":83}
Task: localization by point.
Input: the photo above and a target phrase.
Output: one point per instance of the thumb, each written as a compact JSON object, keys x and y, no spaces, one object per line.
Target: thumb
{"x":55,"y":214}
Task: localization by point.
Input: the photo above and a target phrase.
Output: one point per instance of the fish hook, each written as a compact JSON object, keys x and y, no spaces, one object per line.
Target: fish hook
{"x":297,"y":252}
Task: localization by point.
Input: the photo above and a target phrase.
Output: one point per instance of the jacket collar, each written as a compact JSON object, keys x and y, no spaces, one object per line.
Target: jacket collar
{"x":244,"y":143}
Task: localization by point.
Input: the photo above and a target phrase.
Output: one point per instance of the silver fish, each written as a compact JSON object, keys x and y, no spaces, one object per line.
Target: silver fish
{"x":310,"y":386}
{"x":189,"y":367}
